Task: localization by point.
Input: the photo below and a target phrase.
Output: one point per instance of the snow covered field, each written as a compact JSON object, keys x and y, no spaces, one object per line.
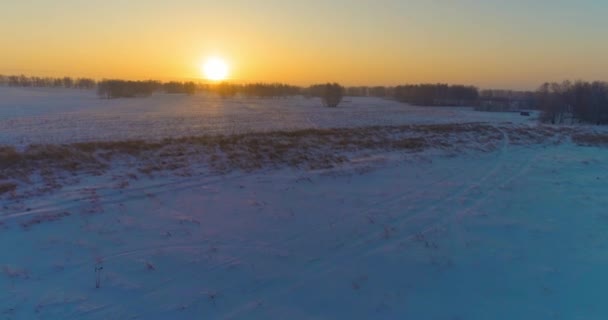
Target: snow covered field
{"x":502,"y":220}
{"x":57,"y":116}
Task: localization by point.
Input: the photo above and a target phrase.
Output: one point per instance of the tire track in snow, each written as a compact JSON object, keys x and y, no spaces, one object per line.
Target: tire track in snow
{"x":127,"y":194}
{"x":461,"y":214}
{"x":351,"y":251}
{"x":328,"y":264}
{"x":384,"y":205}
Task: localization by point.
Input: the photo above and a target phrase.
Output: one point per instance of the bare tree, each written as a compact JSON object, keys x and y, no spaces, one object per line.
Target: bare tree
{"x":332,"y":95}
{"x":580,"y":101}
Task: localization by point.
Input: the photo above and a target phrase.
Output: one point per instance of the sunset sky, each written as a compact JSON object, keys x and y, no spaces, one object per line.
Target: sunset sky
{"x":489,"y":43}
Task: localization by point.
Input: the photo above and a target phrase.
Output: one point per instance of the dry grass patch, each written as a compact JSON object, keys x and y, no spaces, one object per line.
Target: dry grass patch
{"x":455,"y":128}
{"x":596,"y":139}
{"x":6,"y":187}
{"x":42,"y":218}
{"x":308,"y":148}
{"x":9,"y":157}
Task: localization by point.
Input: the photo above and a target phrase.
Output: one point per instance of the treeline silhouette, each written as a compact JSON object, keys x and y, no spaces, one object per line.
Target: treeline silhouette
{"x":364,"y":91}
{"x":560,"y":103}
{"x":127,"y":89}
{"x":506,"y":94}
{"x":506,"y":100}
{"x":47,"y":82}
{"x":254,"y":90}
{"x":569,"y":102}
{"x":175,"y":87}
{"x":437,"y":94}
{"x":270,"y":90}
{"x":112,"y":89}
{"x":105,"y":88}
{"x":425,"y":94}
{"x":330,"y":93}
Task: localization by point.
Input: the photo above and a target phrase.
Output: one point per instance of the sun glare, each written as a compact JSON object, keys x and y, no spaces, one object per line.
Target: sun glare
{"x":215,"y":69}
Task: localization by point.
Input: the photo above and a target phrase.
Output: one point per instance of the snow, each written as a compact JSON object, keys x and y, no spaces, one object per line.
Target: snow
{"x":58,"y":116}
{"x":516,"y":233}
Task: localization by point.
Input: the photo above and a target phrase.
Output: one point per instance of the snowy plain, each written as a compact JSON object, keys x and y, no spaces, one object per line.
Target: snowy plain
{"x":518,"y":231}
{"x":58,"y":116}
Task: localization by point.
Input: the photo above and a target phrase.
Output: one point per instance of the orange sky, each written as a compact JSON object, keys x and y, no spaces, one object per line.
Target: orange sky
{"x":492,"y":43}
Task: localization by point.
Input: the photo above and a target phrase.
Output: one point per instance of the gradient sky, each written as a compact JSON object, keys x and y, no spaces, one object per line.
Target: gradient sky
{"x":489,"y":43}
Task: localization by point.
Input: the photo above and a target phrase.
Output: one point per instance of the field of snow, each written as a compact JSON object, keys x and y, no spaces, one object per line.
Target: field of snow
{"x":500,"y":220}
{"x":58,"y":116}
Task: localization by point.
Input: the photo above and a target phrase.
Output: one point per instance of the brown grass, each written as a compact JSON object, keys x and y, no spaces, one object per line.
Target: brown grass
{"x":589,"y":139}
{"x":308,"y":148}
{"x":39,"y":219}
{"x":8,"y":157}
{"x":6,"y":187}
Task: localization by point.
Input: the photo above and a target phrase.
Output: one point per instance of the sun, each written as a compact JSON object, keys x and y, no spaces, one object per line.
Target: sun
{"x":215,"y":69}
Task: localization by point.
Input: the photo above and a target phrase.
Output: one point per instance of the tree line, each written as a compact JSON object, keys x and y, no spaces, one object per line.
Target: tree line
{"x":571,"y":102}
{"x":365,"y":91}
{"x":116,"y":88}
{"x":332,"y":93}
{"x":436,"y":94}
{"x":111,"y":89}
{"x":252,"y":90}
{"x":47,"y":82}
{"x":561,"y":103}
{"x":128,"y":89}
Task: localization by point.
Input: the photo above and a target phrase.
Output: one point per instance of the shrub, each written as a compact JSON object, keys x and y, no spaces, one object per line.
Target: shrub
{"x":6,"y":187}
{"x":330,"y":93}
